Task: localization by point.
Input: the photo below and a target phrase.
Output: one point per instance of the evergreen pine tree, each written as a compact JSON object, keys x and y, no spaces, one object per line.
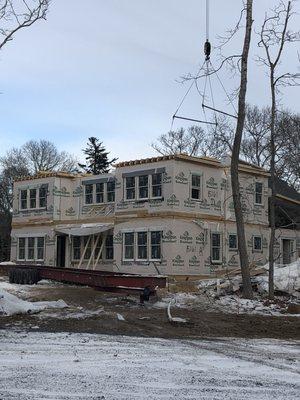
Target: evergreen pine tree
{"x":96,"y":158}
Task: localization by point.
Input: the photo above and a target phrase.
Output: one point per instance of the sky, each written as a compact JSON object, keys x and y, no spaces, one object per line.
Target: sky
{"x":112,"y":69}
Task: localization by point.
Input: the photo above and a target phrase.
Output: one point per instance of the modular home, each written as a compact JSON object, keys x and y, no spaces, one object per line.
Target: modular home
{"x":170,"y":215}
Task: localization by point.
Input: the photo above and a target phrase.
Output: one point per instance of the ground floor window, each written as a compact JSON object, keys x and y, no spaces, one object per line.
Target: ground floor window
{"x":216,"y":252}
{"x":232,"y":241}
{"x":31,"y":249}
{"x":257,"y":243}
{"x":142,"y":246}
{"x":79,"y":243}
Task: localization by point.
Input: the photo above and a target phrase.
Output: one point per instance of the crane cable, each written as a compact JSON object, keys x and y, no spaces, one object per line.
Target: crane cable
{"x":207,"y":73}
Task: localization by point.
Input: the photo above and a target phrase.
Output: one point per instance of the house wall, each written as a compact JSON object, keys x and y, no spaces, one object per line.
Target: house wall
{"x":186,"y":224}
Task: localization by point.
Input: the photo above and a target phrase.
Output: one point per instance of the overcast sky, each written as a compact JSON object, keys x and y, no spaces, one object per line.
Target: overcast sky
{"x":109,"y":68}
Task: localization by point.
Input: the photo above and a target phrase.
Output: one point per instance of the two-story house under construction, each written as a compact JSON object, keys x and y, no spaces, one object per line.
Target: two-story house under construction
{"x":171,"y":215}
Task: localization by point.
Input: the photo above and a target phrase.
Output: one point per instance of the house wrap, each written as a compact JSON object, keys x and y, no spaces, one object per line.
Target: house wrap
{"x":170,"y":215}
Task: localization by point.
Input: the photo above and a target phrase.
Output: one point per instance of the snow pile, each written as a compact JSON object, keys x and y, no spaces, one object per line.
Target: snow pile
{"x":236,"y":305}
{"x":11,"y":305}
{"x":286,"y":278}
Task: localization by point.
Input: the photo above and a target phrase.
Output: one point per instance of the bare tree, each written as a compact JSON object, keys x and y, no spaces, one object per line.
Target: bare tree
{"x":242,"y":247}
{"x":18,"y":14}
{"x":192,"y":141}
{"x":274,"y":36}
{"x":43,"y":155}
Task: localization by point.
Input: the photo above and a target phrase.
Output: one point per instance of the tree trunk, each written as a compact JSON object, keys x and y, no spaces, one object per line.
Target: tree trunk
{"x":272,"y":181}
{"x":247,"y":289}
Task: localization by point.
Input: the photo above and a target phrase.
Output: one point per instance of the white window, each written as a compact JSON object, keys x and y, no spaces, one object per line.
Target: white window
{"x":232,"y":241}
{"x":216,"y":253}
{"x":31,"y":249}
{"x":23,"y":202}
{"x":130,"y":188}
{"x":258,"y":192}
{"x":110,"y":189}
{"x":143,"y":182}
{"x":128,"y":246}
{"x":155,"y":245}
{"x":142,"y":245}
{"x":156,"y":185}
{"x":196,"y":187}
{"x":143,"y":187}
{"x":42,"y":197}
{"x":89,"y":194}
{"x":101,"y":192}
{"x":257,"y":243}
{"x":31,"y":199}
{"x":40,"y":246}
{"x":22,"y":249}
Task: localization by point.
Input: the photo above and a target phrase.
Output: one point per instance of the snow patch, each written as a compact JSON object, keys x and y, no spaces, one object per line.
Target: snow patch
{"x":11,"y":305}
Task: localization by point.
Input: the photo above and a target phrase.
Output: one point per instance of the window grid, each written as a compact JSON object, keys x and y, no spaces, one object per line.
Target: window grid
{"x":196,"y":187}
{"x":32,"y":199}
{"x":142,"y":246}
{"x":143,"y":187}
{"x":258,"y":192}
{"x":216,"y":247}
{"x":31,"y":248}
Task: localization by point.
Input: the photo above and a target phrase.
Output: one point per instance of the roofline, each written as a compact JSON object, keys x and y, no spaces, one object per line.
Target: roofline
{"x":48,"y":174}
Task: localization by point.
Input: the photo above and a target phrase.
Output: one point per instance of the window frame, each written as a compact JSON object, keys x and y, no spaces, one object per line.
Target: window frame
{"x":150,"y":186}
{"x":29,"y":198}
{"x":136,"y":246}
{"x":196,"y":187}
{"x":258,"y":193}
{"x":123,"y":246}
{"x":39,"y":247}
{"x":35,"y":248}
{"x":261,"y":243}
{"x":236,"y":238}
{"x":151,"y":244}
{"x":18,"y":249}
{"x":104,"y":193}
{"x":139,"y":187}
{"x":215,"y":261}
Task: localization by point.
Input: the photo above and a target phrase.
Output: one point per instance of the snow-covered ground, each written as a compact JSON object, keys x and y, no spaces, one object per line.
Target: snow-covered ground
{"x":80,"y":366}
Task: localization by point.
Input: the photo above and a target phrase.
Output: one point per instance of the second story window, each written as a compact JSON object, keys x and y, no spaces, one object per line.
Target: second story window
{"x":196,"y":187}
{"x":23,"y":203}
{"x":143,"y":187}
{"x":31,"y":199}
{"x":130,"y":188}
{"x":42,"y":197}
{"x":89,"y":191}
{"x":32,"y":193}
{"x":111,"y":186}
{"x":258,"y":193}
{"x":100,"y":192}
{"x":156,"y":185}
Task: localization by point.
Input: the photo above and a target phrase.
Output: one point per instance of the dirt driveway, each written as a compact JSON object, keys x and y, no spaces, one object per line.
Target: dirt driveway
{"x":91,"y":311}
